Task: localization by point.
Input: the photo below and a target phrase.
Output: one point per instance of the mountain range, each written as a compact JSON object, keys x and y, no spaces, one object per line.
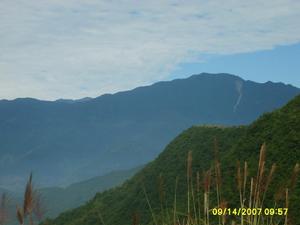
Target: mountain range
{"x":65,"y":141}
{"x":279,"y":134}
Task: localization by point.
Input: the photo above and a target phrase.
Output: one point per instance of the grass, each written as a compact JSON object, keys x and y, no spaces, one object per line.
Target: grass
{"x":32,"y":211}
{"x":206,"y":196}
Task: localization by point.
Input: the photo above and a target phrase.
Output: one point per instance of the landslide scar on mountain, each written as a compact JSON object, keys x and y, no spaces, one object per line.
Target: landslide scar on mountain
{"x":239,"y":88}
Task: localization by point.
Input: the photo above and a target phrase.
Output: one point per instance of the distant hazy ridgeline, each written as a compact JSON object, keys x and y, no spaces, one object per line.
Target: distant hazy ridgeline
{"x":56,"y":200}
{"x":65,"y":141}
{"x":280,"y":130}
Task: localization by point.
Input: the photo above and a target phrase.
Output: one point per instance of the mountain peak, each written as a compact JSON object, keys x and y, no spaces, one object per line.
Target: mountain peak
{"x":217,"y":76}
{"x":142,"y":121}
{"x":278,"y":129}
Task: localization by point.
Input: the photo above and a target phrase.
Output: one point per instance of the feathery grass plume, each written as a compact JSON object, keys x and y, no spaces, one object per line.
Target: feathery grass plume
{"x":20,"y":215}
{"x":245,"y":179}
{"x":259,"y":178}
{"x":217,"y":164}
{"x":239,"y":186}
{"x":189,"y":165}
{"x":223,"y":205}
{"x":259,"y":186}
{"x":279,"y":194}
{"x":264,"y":187}
{"x":261,"y":163}
{"x":262,"y":155}
{"x":189,"y":177}
{"x":32,"y":204}
{"x":194,"y":201}
{"x":190,"y":190}
{"x":28,"y":197}
{"x":3,"y":210}
{"x":239,"y":178}
{"x":217,"y":174}
{"x":207,"y":178}
{"x":256,"y":202}
{"x":294,"y":176}
{"x":262,"y":170}
{"x":251,"y":191}
{"x":249,"y":218}
{"x":269,"y":179}
{"x":198,"y":186}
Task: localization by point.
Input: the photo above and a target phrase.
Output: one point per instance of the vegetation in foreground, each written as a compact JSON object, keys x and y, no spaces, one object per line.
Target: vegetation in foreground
{"x":280,"y":130}
{"x":203,"y":208}
{"x":61,"y":199}
{"x":32,"y":210}
{"x":206,"y":203}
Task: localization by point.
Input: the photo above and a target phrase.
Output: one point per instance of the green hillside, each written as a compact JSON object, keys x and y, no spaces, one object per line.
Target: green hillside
{"x":280,"y":131}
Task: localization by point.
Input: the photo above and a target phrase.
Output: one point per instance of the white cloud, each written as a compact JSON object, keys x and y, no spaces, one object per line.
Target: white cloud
{"x":70,"y":48}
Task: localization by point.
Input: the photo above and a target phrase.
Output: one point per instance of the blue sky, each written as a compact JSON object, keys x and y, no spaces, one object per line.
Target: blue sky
{"x":54,"y":49}
{"x":281,"y":64}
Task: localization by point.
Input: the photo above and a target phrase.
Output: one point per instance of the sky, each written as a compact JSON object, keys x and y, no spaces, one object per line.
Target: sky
{"x":280,"y":64}
{"x":52,"y":49}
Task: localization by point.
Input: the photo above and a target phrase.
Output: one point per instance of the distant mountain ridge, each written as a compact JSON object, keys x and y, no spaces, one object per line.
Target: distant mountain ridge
{"x":74,"y":100}
{"x":58,"y":200}
{"x":63,"y":143}
{"x":280,"y":130}
{"x":55,"y":200}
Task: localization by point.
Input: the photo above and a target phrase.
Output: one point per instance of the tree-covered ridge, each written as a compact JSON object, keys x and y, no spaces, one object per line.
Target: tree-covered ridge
{"x":280,"y":130}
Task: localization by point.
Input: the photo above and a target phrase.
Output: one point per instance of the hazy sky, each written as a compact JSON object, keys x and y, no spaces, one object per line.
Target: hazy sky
{"x":53,"y":49}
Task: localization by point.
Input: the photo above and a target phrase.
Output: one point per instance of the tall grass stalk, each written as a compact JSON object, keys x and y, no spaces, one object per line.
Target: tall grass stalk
{"x":252,"y":192}
{"x":32,"y":209}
